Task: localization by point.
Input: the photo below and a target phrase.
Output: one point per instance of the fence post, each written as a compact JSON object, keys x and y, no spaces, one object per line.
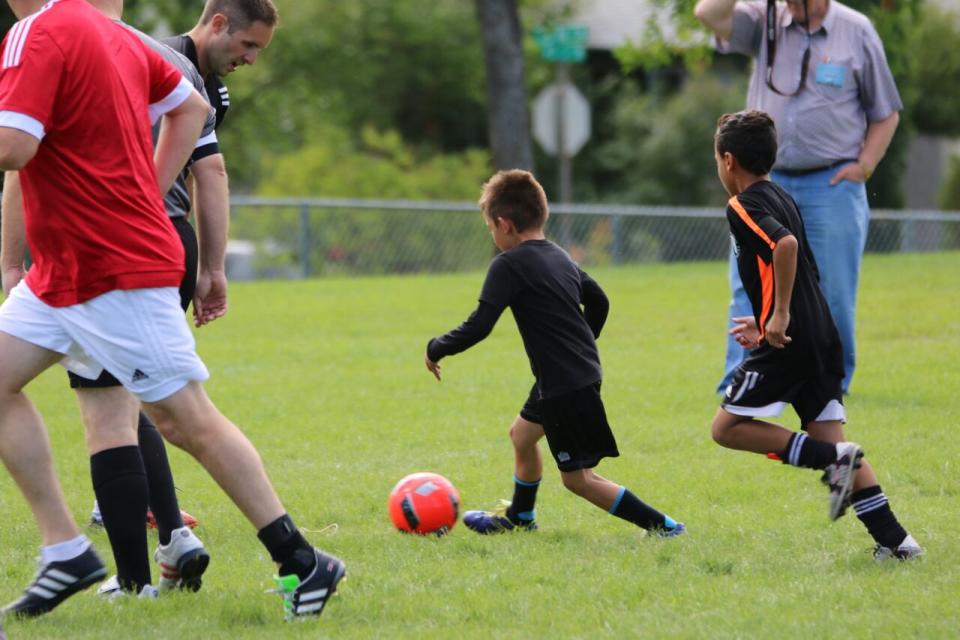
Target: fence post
{"x":616,"y":243}
{"x":305,"y":240}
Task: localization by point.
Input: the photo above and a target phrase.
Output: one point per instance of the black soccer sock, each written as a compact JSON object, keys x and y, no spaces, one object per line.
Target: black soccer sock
{"x":873,"y":509}
{"x":163,"y":495}
{"x":120,"y":484}
{"x":288,"y":547}
{"x":633,"y":509}
{"x":804,"y":451}
{"x":524,"y":497}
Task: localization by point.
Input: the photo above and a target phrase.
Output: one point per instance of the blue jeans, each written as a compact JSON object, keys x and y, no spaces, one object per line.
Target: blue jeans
{"x":835,"y":219}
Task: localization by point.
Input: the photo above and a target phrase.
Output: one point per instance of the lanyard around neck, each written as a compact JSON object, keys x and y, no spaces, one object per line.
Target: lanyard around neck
{"x":772,"y":48}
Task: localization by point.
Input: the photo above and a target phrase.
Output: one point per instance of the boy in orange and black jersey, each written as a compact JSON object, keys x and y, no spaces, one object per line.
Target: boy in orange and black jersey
{"x":797,"y":355}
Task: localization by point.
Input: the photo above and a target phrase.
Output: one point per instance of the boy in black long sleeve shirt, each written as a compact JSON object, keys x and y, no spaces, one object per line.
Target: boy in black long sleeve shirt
{"x":560,"y":312}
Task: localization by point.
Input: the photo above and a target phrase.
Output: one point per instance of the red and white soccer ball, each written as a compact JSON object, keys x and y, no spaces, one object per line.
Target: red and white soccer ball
{"x":424,"y":503}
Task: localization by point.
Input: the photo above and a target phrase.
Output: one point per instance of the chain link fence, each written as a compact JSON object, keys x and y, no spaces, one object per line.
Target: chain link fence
{"x":295,"y":238}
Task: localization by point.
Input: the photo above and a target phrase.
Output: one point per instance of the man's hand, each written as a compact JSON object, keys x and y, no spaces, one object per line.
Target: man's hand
{"x":776,"y":330}
{"x":11,"y":278}
{"x":745,"y":332}
{"x":432,"y":367}
{"x":854,"y":172}
{"x":210,"y":297}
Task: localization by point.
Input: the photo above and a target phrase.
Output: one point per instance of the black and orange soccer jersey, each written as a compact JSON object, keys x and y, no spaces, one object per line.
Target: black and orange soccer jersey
{"x":759,"y":217}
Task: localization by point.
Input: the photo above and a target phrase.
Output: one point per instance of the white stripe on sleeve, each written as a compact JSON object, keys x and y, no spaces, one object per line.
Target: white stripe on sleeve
{"x":17,"y":38}
{"x":173,"y":100}
{"x":205,"y":140}
{"x":22,"y":122}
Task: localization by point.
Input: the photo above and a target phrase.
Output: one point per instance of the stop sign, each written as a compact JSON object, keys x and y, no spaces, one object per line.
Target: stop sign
{"x":547,"y":107}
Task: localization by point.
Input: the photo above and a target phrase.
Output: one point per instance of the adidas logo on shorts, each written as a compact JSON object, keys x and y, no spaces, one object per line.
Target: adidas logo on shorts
{"x":139,"y":375}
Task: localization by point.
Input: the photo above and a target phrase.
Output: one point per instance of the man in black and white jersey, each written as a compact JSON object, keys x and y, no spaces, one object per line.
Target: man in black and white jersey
{"x":181,"y":556}
{"x":226,"y":36}
{"x":230,"y":34}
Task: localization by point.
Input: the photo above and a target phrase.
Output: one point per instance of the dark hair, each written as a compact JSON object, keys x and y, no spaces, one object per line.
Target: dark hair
{"x":517,"y":196}
{"x":751,"y":137}
{"x":241,"y":13}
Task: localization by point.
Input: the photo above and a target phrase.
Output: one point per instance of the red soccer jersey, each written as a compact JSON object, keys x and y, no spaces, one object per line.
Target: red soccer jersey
{"x":93,"y":211}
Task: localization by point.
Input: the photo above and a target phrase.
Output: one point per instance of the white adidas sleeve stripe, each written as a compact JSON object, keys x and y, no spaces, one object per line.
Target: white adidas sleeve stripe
{"x":205,"y":140}
{"x":17,"y":38}
{"x":173,"y":100}
{"x":22,"y":122}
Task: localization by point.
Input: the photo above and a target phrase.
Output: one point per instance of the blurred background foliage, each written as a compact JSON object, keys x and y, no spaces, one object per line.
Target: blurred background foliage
{"x":386,"y":98}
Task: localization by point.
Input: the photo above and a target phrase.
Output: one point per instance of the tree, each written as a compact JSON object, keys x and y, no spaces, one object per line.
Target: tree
{"x":509,"y":122}
{"x":162,"y":17}
{"x":386,"y":64}
{"x":660,"y":150}
{"x":380,"y":165}
{"x":934,"y":70}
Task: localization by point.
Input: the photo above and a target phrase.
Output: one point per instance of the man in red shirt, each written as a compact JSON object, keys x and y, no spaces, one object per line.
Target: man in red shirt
{"x":88,"y":218}
{"x":75,"y":89}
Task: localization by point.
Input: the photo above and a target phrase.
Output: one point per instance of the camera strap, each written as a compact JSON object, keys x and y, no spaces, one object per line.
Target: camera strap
{"x":771,"y":33}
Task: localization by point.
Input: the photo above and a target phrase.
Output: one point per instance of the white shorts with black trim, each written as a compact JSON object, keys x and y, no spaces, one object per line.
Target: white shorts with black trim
{"x":141,"y":336}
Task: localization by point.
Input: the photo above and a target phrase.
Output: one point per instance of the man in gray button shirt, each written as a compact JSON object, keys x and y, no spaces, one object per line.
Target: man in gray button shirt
{"x":822,"y":75}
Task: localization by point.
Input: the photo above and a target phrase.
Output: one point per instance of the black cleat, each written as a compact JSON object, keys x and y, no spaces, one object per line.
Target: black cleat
{"x":308,"y":596}
{"x":57,"y":581}
{"x":839,"y":477}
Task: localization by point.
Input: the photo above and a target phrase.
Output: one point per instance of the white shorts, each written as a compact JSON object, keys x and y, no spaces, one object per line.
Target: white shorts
{"x":139,"y":335}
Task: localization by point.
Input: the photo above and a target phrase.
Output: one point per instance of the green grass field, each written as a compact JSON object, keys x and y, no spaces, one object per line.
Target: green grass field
{"x":327,"y":378}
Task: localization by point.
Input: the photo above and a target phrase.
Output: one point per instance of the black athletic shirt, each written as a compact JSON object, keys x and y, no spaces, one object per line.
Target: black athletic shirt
{"x":759,"y":217}
{"x":177,"y":200}
{"x":545,"y":289}
{"x":216,"y":90}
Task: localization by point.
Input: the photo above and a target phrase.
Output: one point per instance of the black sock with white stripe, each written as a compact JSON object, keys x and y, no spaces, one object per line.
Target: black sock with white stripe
{"x":288,"y":547}
{"x":873,"y":509}
{"x":804,"y":451}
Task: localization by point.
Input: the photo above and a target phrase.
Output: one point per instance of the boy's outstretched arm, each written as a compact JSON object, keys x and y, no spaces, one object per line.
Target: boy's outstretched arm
{"x":596,"y":305}
{"x":784,"y":273}
{"x":474,"y":329}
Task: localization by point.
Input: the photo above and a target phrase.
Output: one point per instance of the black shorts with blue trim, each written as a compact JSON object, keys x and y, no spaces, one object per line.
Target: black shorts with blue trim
{"x":575,"y":425}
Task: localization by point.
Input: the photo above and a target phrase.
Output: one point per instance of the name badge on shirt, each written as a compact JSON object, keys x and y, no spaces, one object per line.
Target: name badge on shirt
{"x":831,"y":74}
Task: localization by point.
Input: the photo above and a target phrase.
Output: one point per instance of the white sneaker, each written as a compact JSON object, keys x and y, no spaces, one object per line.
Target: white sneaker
{"x":96,"y":520}
{"x":839,"y":477}
{"x":907,"y":550}
{"x":149,"y":592}
{"x":182,"y":562}
{"x":110,"y":590}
